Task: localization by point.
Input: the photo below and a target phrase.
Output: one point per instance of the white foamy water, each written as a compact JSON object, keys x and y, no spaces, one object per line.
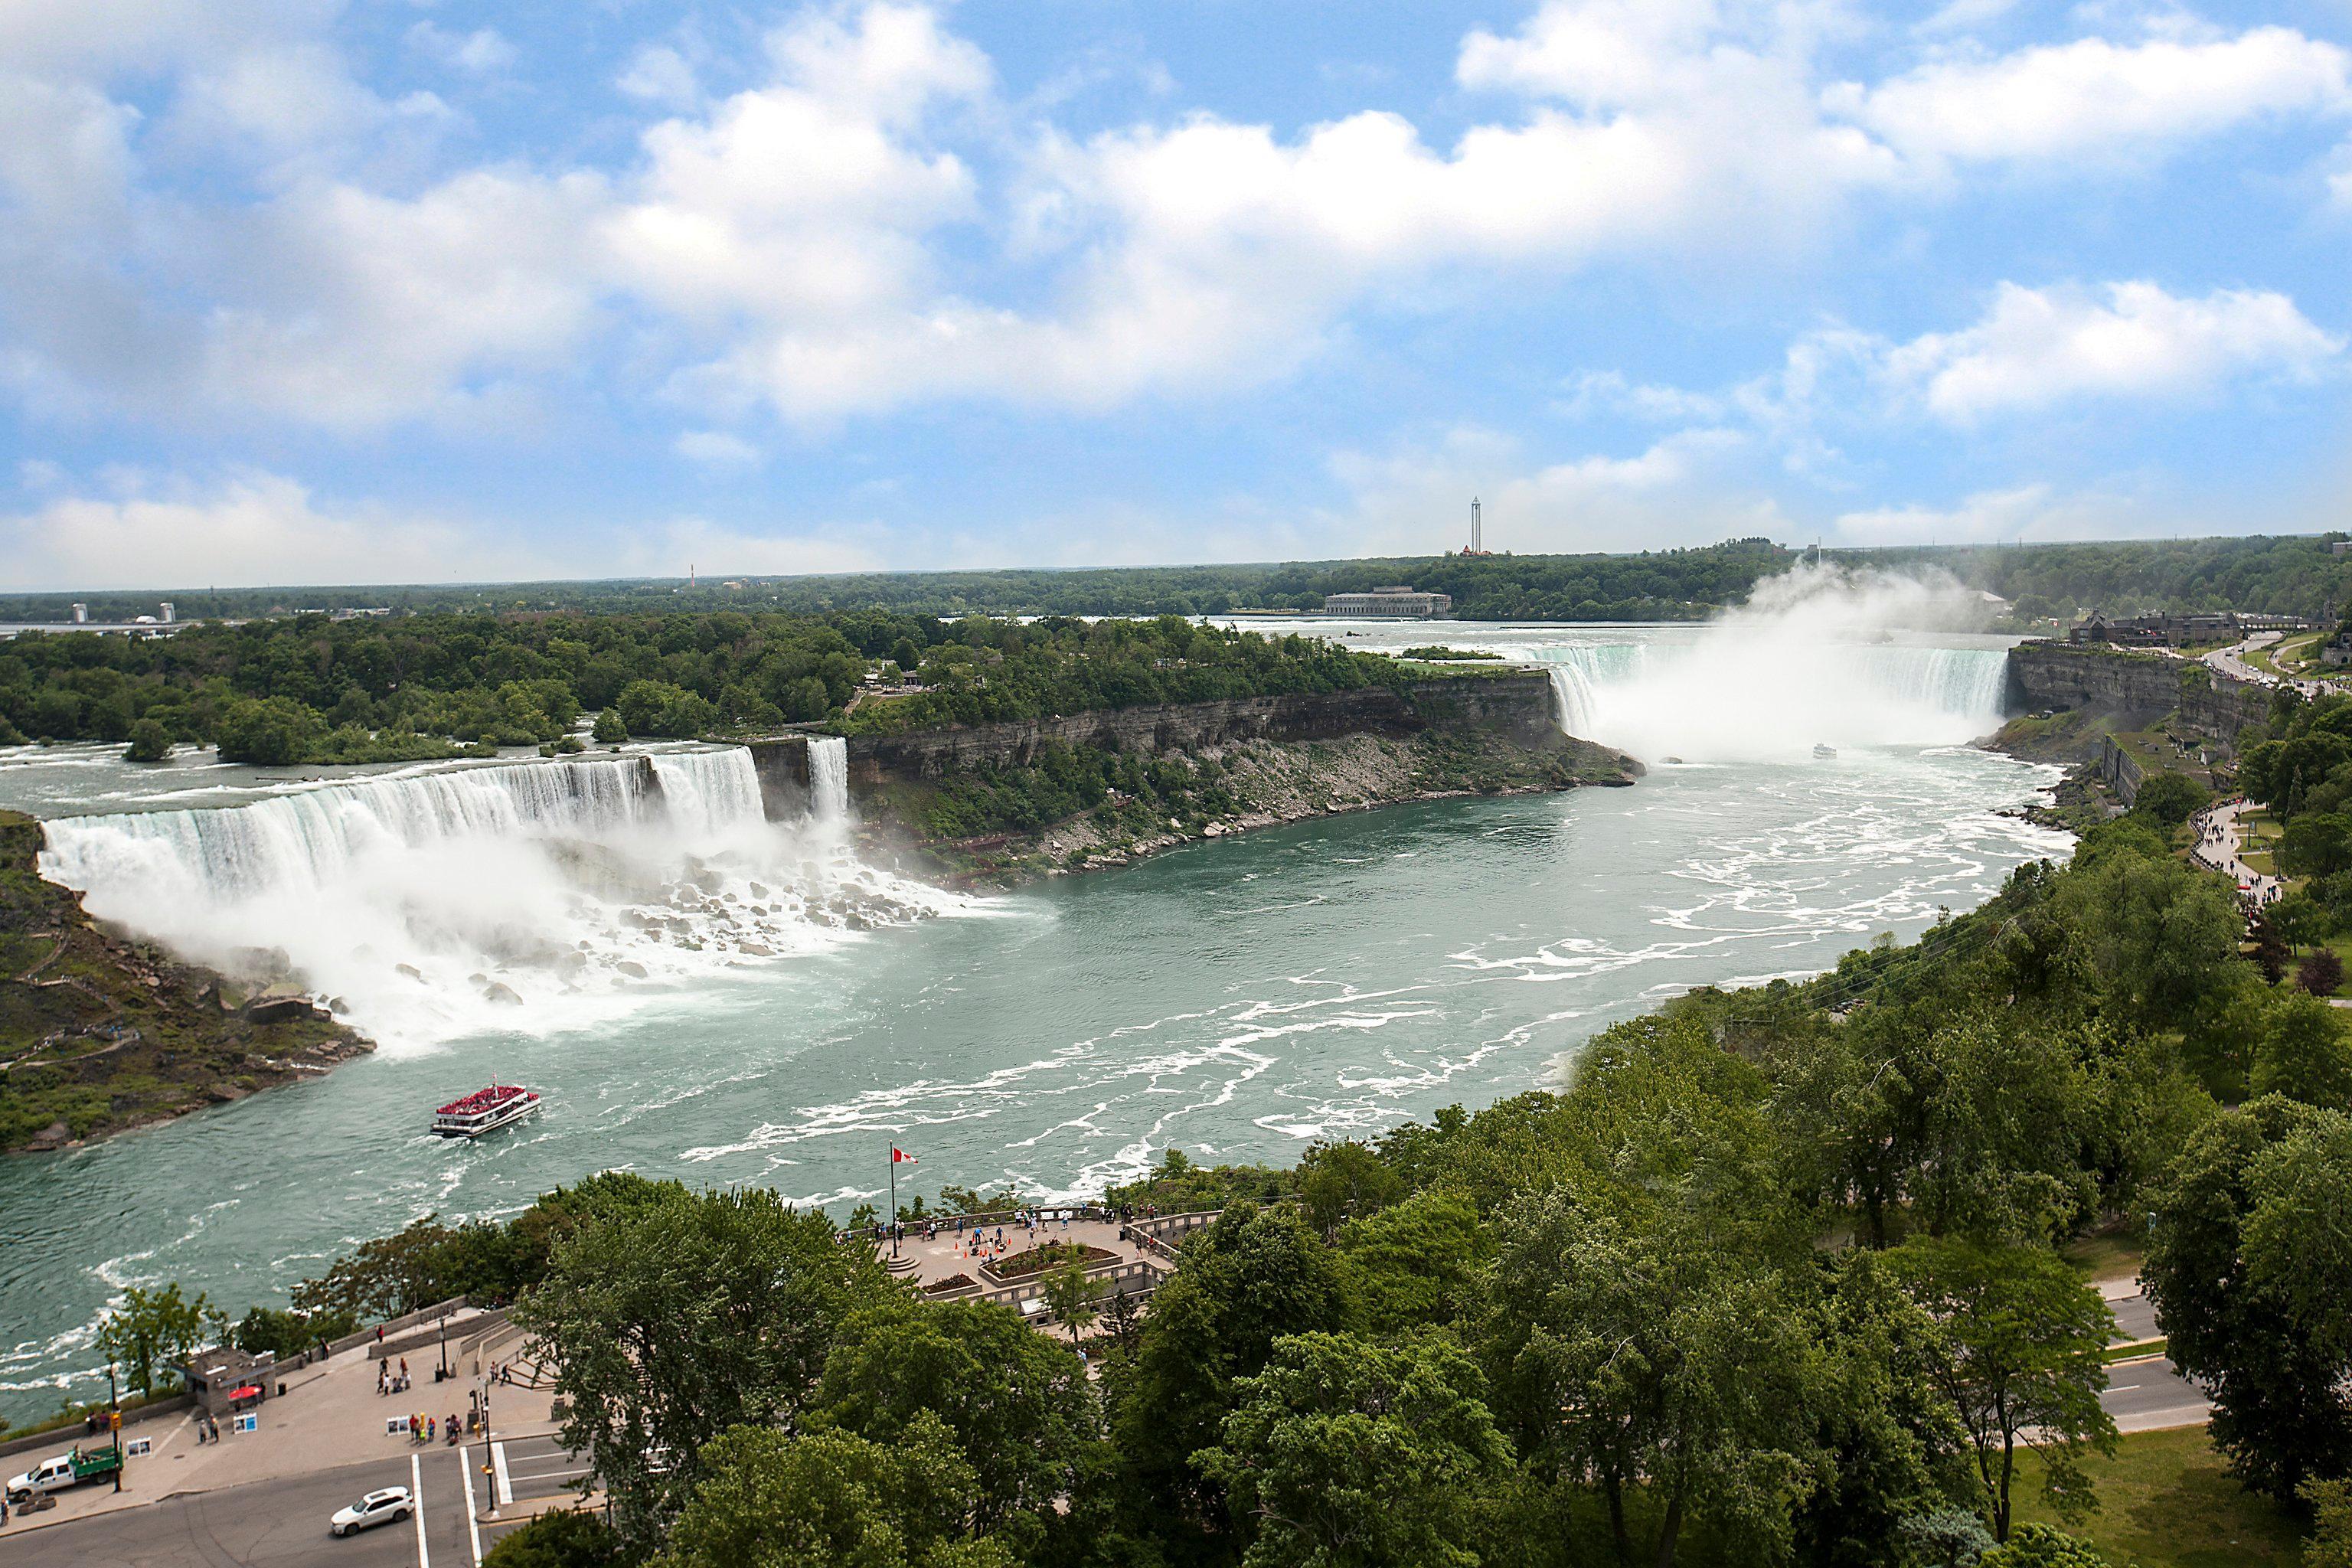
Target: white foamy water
{"x":534,"y":895}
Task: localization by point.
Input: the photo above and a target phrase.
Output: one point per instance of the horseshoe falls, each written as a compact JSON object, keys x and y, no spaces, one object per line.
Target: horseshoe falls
{"x":701,"y":994}
{"x":1709,"y":700}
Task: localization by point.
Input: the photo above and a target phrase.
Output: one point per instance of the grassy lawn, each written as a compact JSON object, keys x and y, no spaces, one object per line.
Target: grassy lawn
{"x":2112,"y":1253}
{"x":2166,"y":1502}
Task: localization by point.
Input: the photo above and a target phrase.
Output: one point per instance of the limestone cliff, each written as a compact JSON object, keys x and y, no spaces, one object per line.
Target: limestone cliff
{"x":1000,"y":801}
{"x":2093,"y":693}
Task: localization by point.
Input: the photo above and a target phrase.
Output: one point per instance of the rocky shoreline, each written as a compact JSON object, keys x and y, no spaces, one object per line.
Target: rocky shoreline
{"x":100,"y":1033}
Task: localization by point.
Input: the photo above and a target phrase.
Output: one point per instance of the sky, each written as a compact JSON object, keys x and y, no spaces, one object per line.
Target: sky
{"x":410,"y":290}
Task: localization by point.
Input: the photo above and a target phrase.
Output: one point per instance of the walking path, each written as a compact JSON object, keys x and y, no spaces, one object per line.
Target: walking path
{"x":2221,"y":841}
{"x":329,"y":1417}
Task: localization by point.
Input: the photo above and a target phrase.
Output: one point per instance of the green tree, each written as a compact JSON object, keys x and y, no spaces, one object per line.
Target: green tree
{"x":2021,"y":1359}
{"x":2304,"y":1052}
{"x":2042,"y":1546}
{"x":1346,"y":1453}
{"x":1254,"y":1276}
{"x":272,"y":733}
{"x":2171,"y":799}
{"x":2239,"y":1318}
{"x":561,"y":1538}
{"x":1017,"y":1404}
{"x":2330,"y":1503}
{"x":153,"y":1333}
{"x":610,"y":728}
{"x":1070,"y":1295}
{"x":150,"y":742}
{"x":1343,"y":1180}
{"x":830,"y":1500}
{"x":674,"y":1320}
{"x":1651,"y":1358}
{"x":1415,"y":1263}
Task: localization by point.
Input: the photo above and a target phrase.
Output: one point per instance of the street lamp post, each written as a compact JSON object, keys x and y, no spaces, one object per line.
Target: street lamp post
{"x":114,"y":1419}
{"x":489,"y":1471}
{"x":445,"y":1347}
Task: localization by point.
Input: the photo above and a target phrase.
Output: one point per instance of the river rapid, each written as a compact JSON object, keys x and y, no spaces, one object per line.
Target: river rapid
{"x":701,"y":994}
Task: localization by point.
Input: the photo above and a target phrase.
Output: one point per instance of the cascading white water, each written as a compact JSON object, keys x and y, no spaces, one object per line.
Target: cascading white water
{"x":1814,"y":662}
{"x":828,"y":758}
{"x":523,"y":895}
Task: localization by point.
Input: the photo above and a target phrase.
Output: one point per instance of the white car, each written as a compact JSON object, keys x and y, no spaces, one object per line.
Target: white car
{"x":48,"y":1476}
{"x":376,"y":1508}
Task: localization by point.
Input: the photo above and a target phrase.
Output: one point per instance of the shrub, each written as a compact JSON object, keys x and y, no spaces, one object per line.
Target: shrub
{"x":2321,"y":973}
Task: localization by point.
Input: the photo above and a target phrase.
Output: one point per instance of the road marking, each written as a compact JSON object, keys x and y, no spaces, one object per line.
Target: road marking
{"x":2121,"y":1387}
{"x":499,"y":1463}
{"x":473,"y":1531}
{"x":416,"y":1490}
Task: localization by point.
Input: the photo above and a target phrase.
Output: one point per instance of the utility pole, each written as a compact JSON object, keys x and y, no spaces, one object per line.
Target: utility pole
{"x":892,"y":1221}
{"x":114,"y":1419}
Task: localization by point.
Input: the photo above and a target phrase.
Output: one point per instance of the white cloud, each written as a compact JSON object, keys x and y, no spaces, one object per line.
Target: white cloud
{"x":2026,"y":511}
{"x":481,"y":51}
{"x":717,"y":449}
{"x":846,"y":238}
{"x":659,"y":74}
{"x":2095,"y":97}
{"x":251,"y":529}
{"x":2038,"y":347}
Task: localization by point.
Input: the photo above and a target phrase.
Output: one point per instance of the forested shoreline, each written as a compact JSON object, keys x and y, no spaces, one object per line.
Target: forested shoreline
{"x":1775,"y":1278}
{"x":313,"y":690}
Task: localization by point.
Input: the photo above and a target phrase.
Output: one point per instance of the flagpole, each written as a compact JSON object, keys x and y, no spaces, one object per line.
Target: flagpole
{"x":894,"y":1200}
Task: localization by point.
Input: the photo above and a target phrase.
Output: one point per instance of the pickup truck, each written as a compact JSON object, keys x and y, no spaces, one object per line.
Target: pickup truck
{"x":69,"y":1469}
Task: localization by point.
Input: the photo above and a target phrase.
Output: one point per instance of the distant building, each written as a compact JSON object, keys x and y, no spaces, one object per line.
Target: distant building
{"x":168,"y":617}
{"x":81,"y":615}
{"x":1401,"y":603}
{"x":2178,"y":631}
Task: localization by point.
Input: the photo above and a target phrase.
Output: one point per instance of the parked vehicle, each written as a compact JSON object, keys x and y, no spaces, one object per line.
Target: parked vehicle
{"x":376,"y":1508}
{"x":68,"y":1470}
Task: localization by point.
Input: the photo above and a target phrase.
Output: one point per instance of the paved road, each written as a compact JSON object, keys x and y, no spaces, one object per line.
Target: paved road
{"x":2150,"y":1393}
{"x":277,"y":1523}
{"x":534,"y":1467}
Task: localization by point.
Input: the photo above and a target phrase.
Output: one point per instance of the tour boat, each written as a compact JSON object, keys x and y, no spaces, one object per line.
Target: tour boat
{"x":1824,"y":752}
{"x":484,"y":1111}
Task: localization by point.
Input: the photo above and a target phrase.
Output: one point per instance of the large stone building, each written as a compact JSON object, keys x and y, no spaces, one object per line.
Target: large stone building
{"x":2178,"y":631}
{"x":1400,"y":603}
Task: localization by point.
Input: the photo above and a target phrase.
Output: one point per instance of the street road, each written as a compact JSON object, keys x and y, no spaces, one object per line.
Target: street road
{"x":2148,"y":1394}
{"x":281,"y":1523}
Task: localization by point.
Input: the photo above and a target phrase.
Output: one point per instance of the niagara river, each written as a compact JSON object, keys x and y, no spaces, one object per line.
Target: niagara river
{"x":700,"y":993}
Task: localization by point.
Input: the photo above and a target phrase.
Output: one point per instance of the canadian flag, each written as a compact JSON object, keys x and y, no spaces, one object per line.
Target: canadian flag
{"x":900,"y":1157}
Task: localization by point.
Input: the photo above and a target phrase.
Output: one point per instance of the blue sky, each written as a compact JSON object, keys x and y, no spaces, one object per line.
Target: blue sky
{"x":305,"y":290}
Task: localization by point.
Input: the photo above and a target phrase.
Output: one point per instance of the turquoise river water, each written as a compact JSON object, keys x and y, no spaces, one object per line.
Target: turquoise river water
{"x":701,"y":995}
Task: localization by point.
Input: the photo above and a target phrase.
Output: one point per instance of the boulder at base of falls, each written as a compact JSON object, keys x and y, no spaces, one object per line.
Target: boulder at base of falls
{"x":757,"y":950}
{"x":632,"y":968}
{"x":499,"y":992}
{"x":279,"y":1009}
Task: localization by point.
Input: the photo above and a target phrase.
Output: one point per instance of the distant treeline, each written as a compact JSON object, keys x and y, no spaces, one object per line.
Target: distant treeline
{"x":306,"y":689}
{"x":2292,"y":575}
{"x":1671,"y":585}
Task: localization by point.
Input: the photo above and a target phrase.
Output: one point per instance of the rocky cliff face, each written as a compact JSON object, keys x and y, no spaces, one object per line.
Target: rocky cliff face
{"x":995,"y":801}
{"x":2135,"y":688}
{"x":1513,"y":703}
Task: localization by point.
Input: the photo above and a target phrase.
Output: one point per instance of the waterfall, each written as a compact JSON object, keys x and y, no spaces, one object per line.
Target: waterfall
{"x":828,"y":758}
{"x":1734,"y":693}
{"x":442,"y":902}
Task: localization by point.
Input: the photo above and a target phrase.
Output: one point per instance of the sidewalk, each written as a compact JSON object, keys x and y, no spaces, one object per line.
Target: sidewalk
{"x":330,"y":1417}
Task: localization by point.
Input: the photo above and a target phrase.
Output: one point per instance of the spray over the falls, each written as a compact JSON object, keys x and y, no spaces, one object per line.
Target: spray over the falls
{"x":1814,"y":657}
{"x":530,"y":896}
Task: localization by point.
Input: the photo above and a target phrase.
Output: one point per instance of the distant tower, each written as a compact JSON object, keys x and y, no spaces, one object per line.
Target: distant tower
{"x":167,"y":612}
{"x":80,"y":614}
{"x":1477,"y":530}
{"x":689,"y":573}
